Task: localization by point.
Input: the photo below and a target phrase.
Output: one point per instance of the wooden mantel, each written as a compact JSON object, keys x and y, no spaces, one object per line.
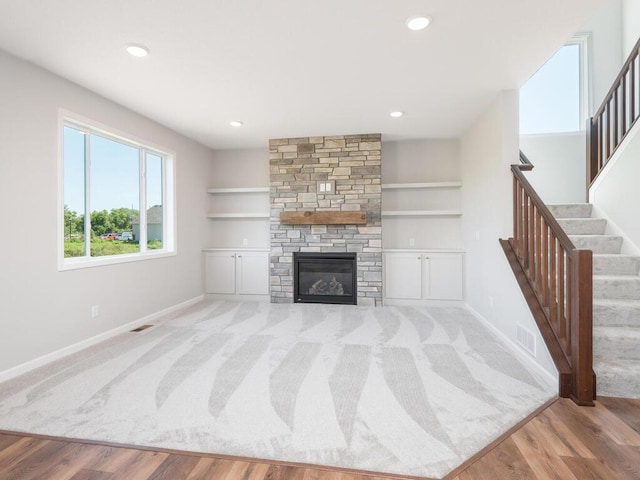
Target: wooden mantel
{"x":324,"y":218}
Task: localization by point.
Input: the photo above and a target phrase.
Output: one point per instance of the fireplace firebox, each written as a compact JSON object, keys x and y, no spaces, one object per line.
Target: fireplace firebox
{"x":324,"y":278}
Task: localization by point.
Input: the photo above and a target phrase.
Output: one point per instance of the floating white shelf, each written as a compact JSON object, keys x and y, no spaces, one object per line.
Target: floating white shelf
{"x":421,"y":213}
{"x":238,"y":215}
{"x":403,"y":186}
{"x":239,"y":190}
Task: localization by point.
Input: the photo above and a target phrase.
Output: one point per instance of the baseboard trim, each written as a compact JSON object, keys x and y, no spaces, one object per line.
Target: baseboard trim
{"x":237,"y":298}
{"x":400,"y":302}
{"x":517,"y":350}
{"x":89,"y":342}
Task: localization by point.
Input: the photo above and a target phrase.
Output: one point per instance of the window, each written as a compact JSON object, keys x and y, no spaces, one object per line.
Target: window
{"x":117,"y":198}
{"x":556,"y":98}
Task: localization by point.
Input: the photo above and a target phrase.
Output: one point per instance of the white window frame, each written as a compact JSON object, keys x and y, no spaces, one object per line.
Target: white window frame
{"x":87,"y":126}
{"x":583,"y":40}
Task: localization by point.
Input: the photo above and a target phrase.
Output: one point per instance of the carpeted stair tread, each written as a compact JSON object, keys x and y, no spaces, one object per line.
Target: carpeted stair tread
{"x":583,"y":226}
{"x":615,"y":264}
{"x":598,"y":243}
{"x":611,"y":343}
{"x":616,"y":300}
{"x":573,"y":210}
{"x":618,"y":378}
{"x":616,"y":312}
{"x":616,"y":286}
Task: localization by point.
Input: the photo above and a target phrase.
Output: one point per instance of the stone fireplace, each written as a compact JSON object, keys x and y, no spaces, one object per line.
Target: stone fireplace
{"x":327,"y":174}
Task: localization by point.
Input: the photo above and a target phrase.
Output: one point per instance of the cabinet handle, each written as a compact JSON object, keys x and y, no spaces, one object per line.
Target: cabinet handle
{"x":239,"y":256}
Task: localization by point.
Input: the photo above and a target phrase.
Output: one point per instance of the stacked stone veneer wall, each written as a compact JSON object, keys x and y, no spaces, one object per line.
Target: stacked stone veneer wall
{"x":297,"y":166}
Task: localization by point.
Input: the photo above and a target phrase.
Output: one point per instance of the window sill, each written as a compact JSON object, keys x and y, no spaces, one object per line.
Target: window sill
{"x":78,"y":263}
{"x":571,"y":133}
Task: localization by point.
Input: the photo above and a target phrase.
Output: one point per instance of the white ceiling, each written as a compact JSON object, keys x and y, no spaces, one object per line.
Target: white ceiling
{"x":290,"y":68}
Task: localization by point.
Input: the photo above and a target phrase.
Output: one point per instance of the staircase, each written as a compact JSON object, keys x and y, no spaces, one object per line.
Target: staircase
{"x":616,"y":301}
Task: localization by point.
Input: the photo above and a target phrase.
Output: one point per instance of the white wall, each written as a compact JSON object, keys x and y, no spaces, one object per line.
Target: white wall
{"x":239,"y":168}
{"x":559,"y":175}
{"x":420,"y":161}
{"x":43,"y":310}
{"x":615,"y":192}
{"x":486,"y":151}
{"x":606,"y":48}
{"x":416,"y":161}
{"x":630,"y":25}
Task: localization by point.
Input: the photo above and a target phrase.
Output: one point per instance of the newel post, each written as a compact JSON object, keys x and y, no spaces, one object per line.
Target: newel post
{"x":582,"y":327}
{"x":592,"y":154}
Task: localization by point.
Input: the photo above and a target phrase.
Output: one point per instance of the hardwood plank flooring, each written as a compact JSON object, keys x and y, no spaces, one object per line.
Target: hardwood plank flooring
{"x":563,"y":442}
{"x":568,"y":442}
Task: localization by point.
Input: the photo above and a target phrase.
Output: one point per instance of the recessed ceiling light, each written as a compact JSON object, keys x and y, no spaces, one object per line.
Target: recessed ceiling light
{"x":396,"y":114}
{"x":235,"y":123}
{"x":418,"y":22}
{"x":137,"y":50}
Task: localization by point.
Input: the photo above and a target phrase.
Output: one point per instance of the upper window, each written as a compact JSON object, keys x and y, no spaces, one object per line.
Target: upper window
{"x":117,"y":198}
{"x":555,"y":98}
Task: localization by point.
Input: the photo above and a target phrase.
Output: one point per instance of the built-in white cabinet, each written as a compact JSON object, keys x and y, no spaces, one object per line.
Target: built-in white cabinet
{"x":403,"y":275}
{"x":220,"y":272}
{"x":442,"y":276}
{"x":422,"y":275}
{"x":236,"y":272}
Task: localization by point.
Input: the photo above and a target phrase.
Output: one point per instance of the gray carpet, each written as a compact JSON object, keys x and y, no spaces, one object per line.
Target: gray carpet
{"x":412,"y":391}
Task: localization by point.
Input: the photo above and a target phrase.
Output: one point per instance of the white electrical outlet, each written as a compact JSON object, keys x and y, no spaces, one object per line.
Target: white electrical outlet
{"x":412,"y":242}
{"x":245,"y":242}
{"x":95,"y":311}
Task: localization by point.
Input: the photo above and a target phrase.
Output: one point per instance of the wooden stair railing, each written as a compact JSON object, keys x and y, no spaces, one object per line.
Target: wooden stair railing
{"x":556,"y":279}
{"x":616,"y":116}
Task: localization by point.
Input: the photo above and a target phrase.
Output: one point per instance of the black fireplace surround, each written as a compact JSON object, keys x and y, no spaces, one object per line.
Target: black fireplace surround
{"x":325,"y":278}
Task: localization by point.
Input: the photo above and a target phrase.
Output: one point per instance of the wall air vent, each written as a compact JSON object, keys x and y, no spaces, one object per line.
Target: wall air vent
{"x":526,"y":339}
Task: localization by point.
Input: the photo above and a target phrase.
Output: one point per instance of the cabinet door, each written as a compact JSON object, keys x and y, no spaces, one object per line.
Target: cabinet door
{"x":442,"y":276}
{"x":402,"y":275}
{"x":253,"y":273}
{"x":220,"y":272}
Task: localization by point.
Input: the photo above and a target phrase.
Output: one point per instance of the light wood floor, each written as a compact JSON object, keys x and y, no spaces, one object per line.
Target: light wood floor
{"x":563,"y":442}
